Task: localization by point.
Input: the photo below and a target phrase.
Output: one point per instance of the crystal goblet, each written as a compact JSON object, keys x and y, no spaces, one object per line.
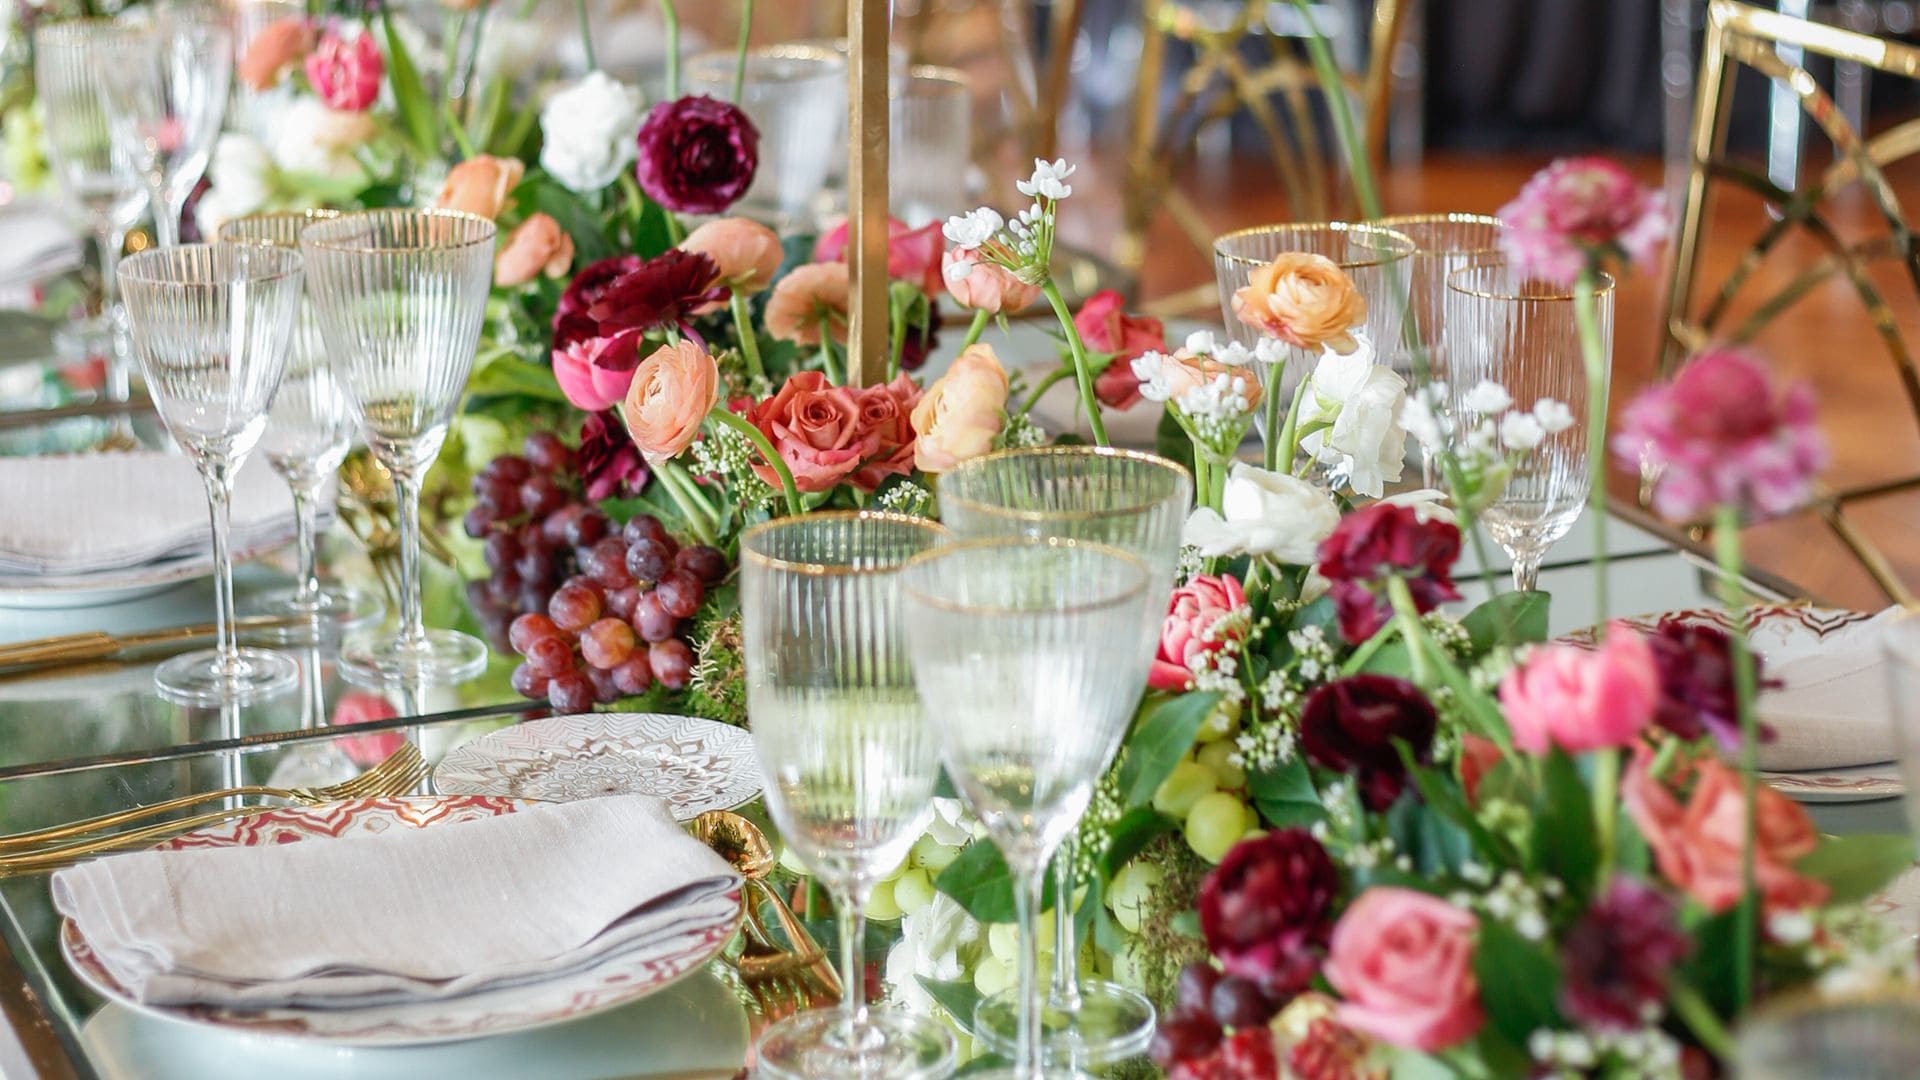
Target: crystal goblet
{"x":166,"y":83}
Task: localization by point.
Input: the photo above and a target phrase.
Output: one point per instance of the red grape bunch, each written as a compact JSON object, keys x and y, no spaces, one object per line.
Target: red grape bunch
{"x":1194,"y":1044}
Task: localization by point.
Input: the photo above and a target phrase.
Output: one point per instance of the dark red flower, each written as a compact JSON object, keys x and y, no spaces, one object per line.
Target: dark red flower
{"x":922,"y":338}
{"x":1695,"y":662}
{"x":1267,"y":909}
{"x":1619,"y":955}
{"x":697,"y":155}
{"x":1247,"y":1054}
{"x":571,"y":322}
{"x":1351,"y":725}
{"x":1328,"y":1052}
{"x":665,"y":290}
{"x":1382,"y":541}
{"x":609,"y":463}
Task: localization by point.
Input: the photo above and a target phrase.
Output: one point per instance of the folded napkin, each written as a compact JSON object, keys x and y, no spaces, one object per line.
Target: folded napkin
{"x":35,"y":244}
{"x":407,"y":915}
{"x":82,"y":513}
{"x":1832,"y":710}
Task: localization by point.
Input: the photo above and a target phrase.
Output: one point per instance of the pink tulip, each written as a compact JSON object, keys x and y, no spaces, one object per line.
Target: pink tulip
{"x":346,"y":72}
{"x":1580,"y":699}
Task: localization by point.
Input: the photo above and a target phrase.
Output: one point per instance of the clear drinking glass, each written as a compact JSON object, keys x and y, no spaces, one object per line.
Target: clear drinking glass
{"x":797,"y":96}
{"x":211,"y":325}
{"x":166,"y":82}
{"x":1442,"y":243}
{"x":1135,"y":502}
{"x":1030,"y":659}
{"x":850,"y":759}
{"x":932,"y":121}
{"x":309,"y":432}
{"x":96,"y":177}
{"x":400,"y":296}
{"x":1521,"y":333}
{"x":1810,"y":1038}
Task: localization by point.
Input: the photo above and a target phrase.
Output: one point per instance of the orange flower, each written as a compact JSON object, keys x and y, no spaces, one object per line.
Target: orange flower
{"x":278,"y":46}
{"x":983,"y":285}
{"x":804,"y":298}
{"x":1304,"y":300}
{"x":536,"y":246}
{"x":960,"y":415}
{"x":672,"y":392}
{"x":747,"y":252}
{"x":480,"y":185}
{"x":1185,"y":371}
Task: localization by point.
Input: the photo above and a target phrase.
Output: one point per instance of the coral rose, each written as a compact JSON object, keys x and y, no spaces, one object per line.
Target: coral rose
{"x":278,"y":46}
{"x":886,"y":411}
{"x":815,"y":426}
{"x":480,"y":185}
{"x":807,"y":297}
{"x":1403,"y":962}
{"x":594,"y":373}
{"x":1304,"y":300}
{"x":984,"y":286}
{"x":1581,"y":699}
{"x":747,"y":253}
{"x":1104,"y":326}
{"x":672,"y":392}
{"x":536,"y":246}
{"x":962,"y":412}
{"x":1195,"y":627}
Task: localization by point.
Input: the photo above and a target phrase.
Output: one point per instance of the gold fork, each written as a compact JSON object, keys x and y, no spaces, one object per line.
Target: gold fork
{"x":400,"y":771}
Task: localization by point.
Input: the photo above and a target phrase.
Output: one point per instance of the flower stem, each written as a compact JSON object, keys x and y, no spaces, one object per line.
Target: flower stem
{"x":1370,"y":646}
{"x":749,"y":344}
{"x":692,"y":505}
{"x":1202,"y":482}
{"x":1328,"y":72}
{"x":1088,"y":401}
{"x":897,"y":327}
{"x":586,"y":32}
{"x":1591,"y":353}
{"x":1700,"y":1017}
{"x":1408,"y":614}
{"x":1281,"y":453}
{"x":975,"y":329}
{"x":1040,"y":389}
{"x":675,"y":233}
{"x":827,"y":362}
{"x":759,"y":440}
{"x":670,"y":18}
{"x":740,"y":49}
{"x":1726,"y":547}
{"x":1606,"y":793}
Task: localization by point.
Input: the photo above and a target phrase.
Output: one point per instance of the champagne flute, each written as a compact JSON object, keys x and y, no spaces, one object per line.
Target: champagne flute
{"x":1030,"y":660}
{"x":211,"y":325}
{"x":850,"y":760}
{"x":1136,"y":502}
{"x":400,"y":296}
{"x":166,"y":82}
{"x":308,"y":434}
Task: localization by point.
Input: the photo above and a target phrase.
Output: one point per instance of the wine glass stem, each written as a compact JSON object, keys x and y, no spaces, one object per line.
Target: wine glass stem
{"x":851,"y":912}
{"x":1065,"y":995}
{"x":1526,"y":573}
{"x":313,"y":704}
{"x":219,"y":503}
{"x":406,"y":489}
{"x":166,"y":217}
{"x":1030,"y":1050}
{"x":306,"y":594}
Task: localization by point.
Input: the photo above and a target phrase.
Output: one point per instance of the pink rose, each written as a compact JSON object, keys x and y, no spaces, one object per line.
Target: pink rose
{"x":278,"y":46}
{"x":815,"y":426}
{"x":346,"y":72}
{"x":1582,"y":699}
{"x":913,"y":255}
{"x":480,"y":185}
{"x":886,"y":412}
{"x":962,"y":412}
{"x":1403,"y":962}
{"x":984,"y":286}
{"x":809,"y":296}
{"x":536,"y":246}
{"x":1105,"y":326}
{"x":360,"y":707}
{"x":1194,"y":627}
{"x":595,"y":372}
{"x":671,"y":394}
{"x":747,"y":253}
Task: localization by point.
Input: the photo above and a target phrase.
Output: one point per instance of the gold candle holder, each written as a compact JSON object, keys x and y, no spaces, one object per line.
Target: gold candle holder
{"x":867,"y":136}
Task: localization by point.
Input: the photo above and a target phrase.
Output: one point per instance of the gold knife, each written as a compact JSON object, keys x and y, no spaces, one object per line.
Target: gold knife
{"x":94,"y":644}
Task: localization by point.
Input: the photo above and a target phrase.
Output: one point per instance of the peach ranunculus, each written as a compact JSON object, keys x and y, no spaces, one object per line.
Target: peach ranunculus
{"x":1304,"y":300}
{"x":1698,"y":844}
{"x":887,"y":411}
{"x":960,"y":414}
{"x":536,"y":246}
{"x":984,"y":286}
{"x":595,"y":373}
{"x":1403,"y":964}
{"x":815,"y":428}
{"x":480,"y":185}
{"x":672,"y":392}
{"x":279,"y":45}
{"x":747,"y":252}
{"x":808,"y":296}
{"x":1582,"y":699}
{"x":1186,"y":370}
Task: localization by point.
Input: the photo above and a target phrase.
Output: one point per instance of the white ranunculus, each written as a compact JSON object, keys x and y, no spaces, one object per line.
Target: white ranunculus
{"x":930,"y":943}
{"x":240,"y":179}
{"x":312,"y":138}
{"x":951,"y":825}
{"x":589,"y":130}
{"x":1362,"y":402}
{"x":1266,"y":513}
{"x":1429,"y":504}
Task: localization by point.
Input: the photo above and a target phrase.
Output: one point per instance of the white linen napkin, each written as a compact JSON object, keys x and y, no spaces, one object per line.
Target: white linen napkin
{"x":82,"y":513}
{"x":1832,"y":709}
{"x":35,"y":244}
{"x":407,"y":915}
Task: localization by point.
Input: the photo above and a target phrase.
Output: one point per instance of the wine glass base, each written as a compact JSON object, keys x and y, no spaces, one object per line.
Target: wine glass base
{"x":339,"y":611}
{"x":883,"y":1044}
{"x":1113,"y":1024}
{"x":201,"y":678}
{"x":437,"y":659}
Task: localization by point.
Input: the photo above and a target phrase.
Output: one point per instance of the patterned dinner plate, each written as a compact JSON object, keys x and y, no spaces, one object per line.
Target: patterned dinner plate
{"x":1861,"y":783}
{"x":692,"y":765}
{"x":612,"y":982}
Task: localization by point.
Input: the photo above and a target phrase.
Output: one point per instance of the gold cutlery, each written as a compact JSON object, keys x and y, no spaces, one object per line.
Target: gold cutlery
{"x":94,"y":644}
{"x":781,"y":981}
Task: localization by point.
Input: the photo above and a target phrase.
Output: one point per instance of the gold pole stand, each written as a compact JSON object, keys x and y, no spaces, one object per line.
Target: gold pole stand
{"x":867,"y":136}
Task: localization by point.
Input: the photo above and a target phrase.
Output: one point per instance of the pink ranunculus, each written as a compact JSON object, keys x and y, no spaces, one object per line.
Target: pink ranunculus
{"x":279,"y":45}
{"x":1582,"y":699}
{"x":886,"y":411}
{"x":962,"y":413}
{"x":746,"y":252}
{"x":360,"y":707}
{"x":1723,"y":433}
{"x":536,"y":246}
{"x":1577,"y":212}
{"x":346,"y":71}
{"x":1196,"y":625}
{"x":595,"y":372}
{"x":913,"y":255}
{"x":672,"y":391}
{"x":816,"y":428}
{"x":1403,"y":964}
{"x":1104,"y":326}
{"x":984,"y":286}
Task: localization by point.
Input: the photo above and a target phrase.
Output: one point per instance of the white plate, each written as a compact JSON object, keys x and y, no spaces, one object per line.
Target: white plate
{"x":693,"y":765}
{"x":615,"y":981}
{"x":103,"y":587}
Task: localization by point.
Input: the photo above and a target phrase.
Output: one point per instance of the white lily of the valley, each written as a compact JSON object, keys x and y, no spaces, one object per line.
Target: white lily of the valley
{"x":1265,"y":513}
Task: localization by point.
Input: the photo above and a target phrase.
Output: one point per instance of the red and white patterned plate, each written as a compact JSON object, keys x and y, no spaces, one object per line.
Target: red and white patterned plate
{"x":613,"y":982}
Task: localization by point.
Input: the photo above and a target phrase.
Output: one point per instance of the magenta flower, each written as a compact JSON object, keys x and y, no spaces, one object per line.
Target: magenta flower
{"x":1696,"y":683}
{"x":610,"y":464}
{"x":1356,"y":725}
{"x":1267,"y":910}
{"x":1722,"y":434}
{"x":1581,"y":212}
{"x":1620,"y":957}
{"x":697,"y":155}
{"x":1387,"y":540}
{"x":1582,"y":699}
{"x":346,"y":72}
{"x":594,"y":373}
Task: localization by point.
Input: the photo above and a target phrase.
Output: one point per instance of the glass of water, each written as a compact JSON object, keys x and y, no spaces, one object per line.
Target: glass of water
{"x":932,"y":145}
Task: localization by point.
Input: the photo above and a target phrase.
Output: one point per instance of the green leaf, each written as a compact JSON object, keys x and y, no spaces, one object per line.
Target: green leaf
{"x":1162,"y":738}
{"x":410,"y":97}
{"x":980,"y":881}
{"x":1320,"y":613}
{"x":957,"y":997}
{"x":1285,"y":795}
{"x":1858,"y":866}
{"x":1519,"y":982}
{"x":1526,"y":617}
{"x":1449,"y":802}
{"x":540,"y":193}
{"x":510,"y":376}
{"x":1393,"y":658}
{"x":1131,"y":834}
{"x":1563,"y":839}
{"x":1172,"y":443}
{"x":1709,"y":967}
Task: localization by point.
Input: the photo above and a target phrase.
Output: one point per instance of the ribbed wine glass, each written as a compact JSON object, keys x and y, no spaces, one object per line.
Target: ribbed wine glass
{"x":1133,"y":501}
{"x":1442,"y":243}
{"x":850,"y":760}
{"x":1030,"y":659}
{"x":308,"y":434}
{"x":166,"y":81}
{"x":400,"y":296}
{"x":1521,"y":333}
{"x":211,"y":325}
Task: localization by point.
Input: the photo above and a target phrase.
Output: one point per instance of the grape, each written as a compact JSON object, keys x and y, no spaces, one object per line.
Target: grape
{"x":930,"y":854}
{"x":992,"y":976}
{"x":500,"y":550}
{"x":634,"y":676}
{"x":703,"y":562}
{"x":1185,"y":785}
{"x":913,"y":890}
{"x":680,"y":594}
{"x":606,"y":564}
{"x":644,"y":527}
{"x":1218,"y":756}
{"x":501,"y":496}
{"x":478,"y":596}
{"x":503,"y":589}
{"x":535,"y":565}
{"x":649,"y":560}
{"x":1238,"y":1002}
{"x":570,"y":692}
{"x":1184,"y":1037}
{"x":672,"y":663}
{"x":1194,"y":990}
{"x":607,"y":644}
{"x":1215,"y":824}
{"x":586,"y":527}
{"x":530,"y":626}
{"x":575,"y":606}
{"x":1132,"y":888}
{"x":620,"y":602}
{"x":555,"y":525}
{"x":528,"y":681}
{"x":478,"y":520}
{"x":541,"y":496}
{"x":880,"y":903}
{"x":652,"y":620}
{"x":493,"y":627}
{"x":510,"y":467}
{"x":604,"y":690}
{"x":545,"y":451}
{"x":535,"y":596}
{"x":550,"y":656}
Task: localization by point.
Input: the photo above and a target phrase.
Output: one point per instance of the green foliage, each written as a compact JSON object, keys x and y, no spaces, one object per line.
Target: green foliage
{"x":1130,"y":835}
{"x":410,"y":98}
{"x":1446,"y":803}
{"x":1161,"y":738}
{"x":539,"y":192}
{"x":980,"y":881}
{"x":1858,"y":866}
{"x":1709,"y":968}
{"x":1519,"y":982}
{"x":957,"y":997}
{"x":1526,"y":619}
{"x":1285,"y":794}
{"x":1564,"y":841}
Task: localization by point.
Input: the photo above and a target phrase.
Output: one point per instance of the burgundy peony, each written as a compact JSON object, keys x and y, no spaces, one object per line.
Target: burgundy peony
{"x":571,"y":322}
{"x":1387,"y":540}
{"x":1351,"y":725}
{"x":1619,"y":956}
{"x":1695,"y":663}
{"x":1267,"y":909}
{"x":665,"y":290}
{"x":610,"y":464}
{"x":697,"y":155}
